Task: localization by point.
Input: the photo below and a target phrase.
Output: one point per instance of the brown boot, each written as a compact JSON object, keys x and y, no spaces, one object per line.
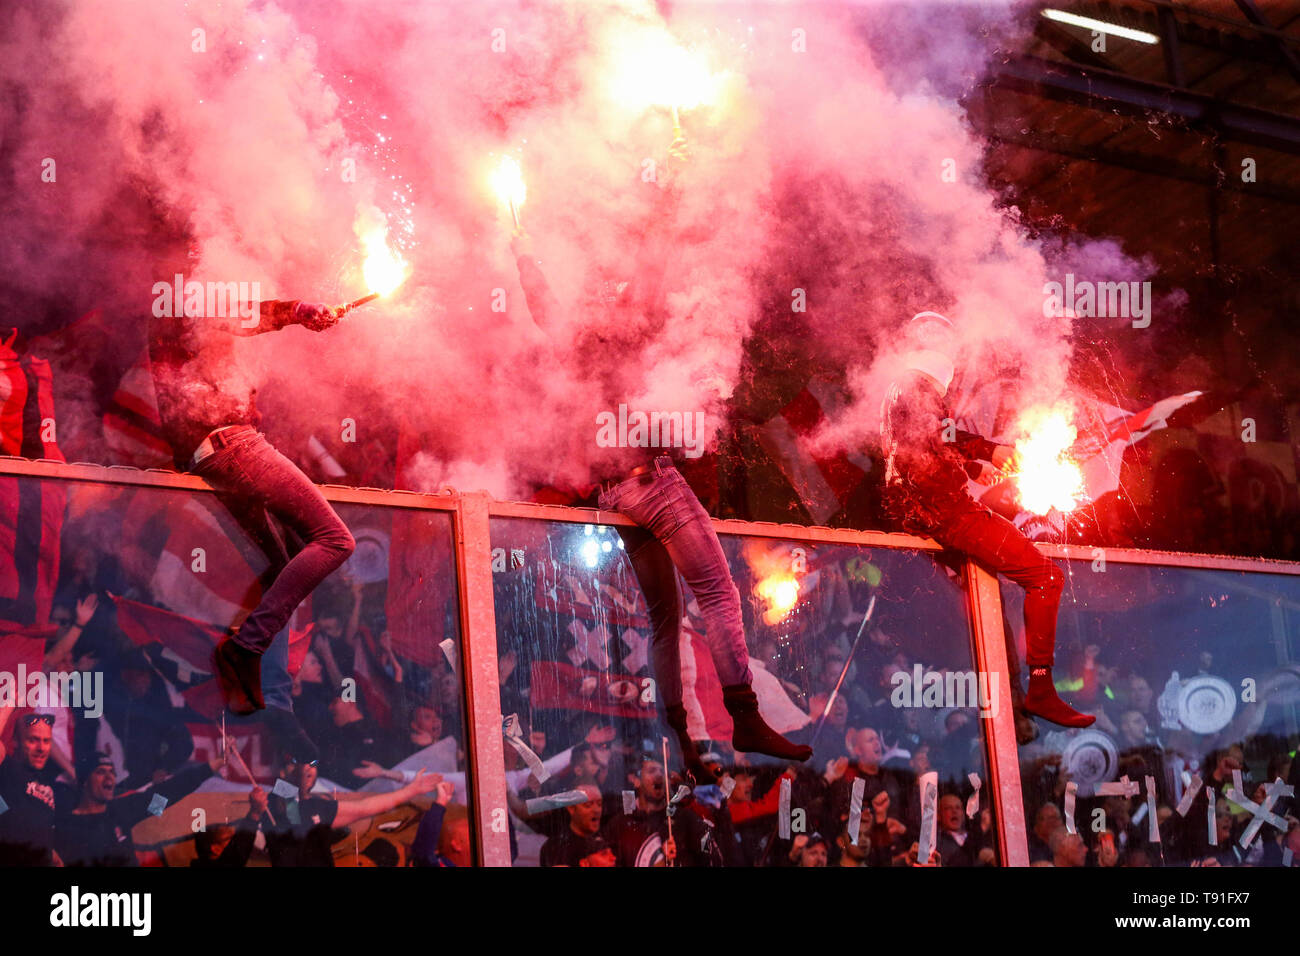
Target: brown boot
{"x":751,"y":733}
{"x":239,"y":672}
{"x":690,"y":755}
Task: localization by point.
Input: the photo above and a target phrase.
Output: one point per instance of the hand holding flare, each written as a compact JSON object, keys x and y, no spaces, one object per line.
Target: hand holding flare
{"x":1046,"y":474}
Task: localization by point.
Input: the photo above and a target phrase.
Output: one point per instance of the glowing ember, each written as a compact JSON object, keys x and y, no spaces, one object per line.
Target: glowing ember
{"x":384,"y":269}
{"x":508,"y":184}
{"x":652,"y":69}
{"x":781,"y":592}
{"x":1044,"y":473}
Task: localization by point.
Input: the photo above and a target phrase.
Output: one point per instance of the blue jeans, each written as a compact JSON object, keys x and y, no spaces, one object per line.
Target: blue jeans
{"x":674,"y":534}
{"x":265,"y":492}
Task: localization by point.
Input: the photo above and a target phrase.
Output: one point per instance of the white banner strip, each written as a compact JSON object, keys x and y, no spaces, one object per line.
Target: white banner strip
{"x":855,"y":809}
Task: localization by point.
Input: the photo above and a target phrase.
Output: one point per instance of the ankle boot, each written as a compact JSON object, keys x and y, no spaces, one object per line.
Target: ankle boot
{"x":751,"y":733}
{"x":690,"y":755}
{"x":239,"y":673}
{"x":1043,"y":701}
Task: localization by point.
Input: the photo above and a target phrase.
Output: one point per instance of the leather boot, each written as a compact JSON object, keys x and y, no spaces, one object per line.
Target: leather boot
{"x":239,"y":672}
{"x":752,"y":734}
{"x":1043,"y":701}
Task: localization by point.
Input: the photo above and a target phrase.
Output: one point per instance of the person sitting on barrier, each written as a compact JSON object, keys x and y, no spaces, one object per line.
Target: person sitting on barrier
{"x":928,"y":462}
{"x":673,"y":534}
{"x":209,"y":418}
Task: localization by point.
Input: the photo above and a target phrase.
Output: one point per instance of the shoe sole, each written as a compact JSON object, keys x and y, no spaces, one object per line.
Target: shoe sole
{"x":768,"y":753}
{"x":1034,"y":713}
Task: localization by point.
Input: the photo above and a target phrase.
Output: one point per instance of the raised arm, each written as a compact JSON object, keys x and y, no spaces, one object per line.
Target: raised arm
{"x":542,"y":304}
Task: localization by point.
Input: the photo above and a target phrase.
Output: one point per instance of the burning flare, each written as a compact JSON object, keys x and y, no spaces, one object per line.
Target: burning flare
{"x":1045,"y":474}
{"x":653,"y":69}
{"x":508,"y":184}
{"x":781,"y":592}
{"x":384,"y":269}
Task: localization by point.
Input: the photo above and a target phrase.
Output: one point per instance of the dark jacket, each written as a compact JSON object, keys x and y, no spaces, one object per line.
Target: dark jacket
{"x":926,"y":475}
{"x":199,"y":384}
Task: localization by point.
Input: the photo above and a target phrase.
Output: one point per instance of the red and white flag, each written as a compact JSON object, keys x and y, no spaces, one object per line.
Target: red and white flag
{"x":824,"y":479}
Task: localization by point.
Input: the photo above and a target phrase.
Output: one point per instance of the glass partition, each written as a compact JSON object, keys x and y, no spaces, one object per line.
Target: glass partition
{"x":576,"y":670}
{"x":1194,"y":677}
{"x":120,"y":591}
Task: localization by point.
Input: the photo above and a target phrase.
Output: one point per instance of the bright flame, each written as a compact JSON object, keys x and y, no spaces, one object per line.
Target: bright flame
{"x":781,"y":592}
{"x":384,"y":269}
{"x":1046,"y":476}
{"x":652,"y":69}
{"x":508,"y":183}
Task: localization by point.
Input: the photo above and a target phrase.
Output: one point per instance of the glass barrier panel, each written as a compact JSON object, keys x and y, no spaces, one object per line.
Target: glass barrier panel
{"x":585,"y":760}
{"x":1193,"y":675}
{"x":116,"y":595}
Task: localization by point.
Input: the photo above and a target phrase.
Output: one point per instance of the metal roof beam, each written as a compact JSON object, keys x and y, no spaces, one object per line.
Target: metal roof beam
{"x":1105,"y":89}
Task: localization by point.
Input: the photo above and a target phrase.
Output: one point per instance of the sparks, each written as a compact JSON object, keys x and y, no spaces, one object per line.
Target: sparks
{"x":1045,"y":474}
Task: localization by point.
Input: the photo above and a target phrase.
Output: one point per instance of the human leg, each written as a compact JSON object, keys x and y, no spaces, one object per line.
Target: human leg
{"x":995,"y":542}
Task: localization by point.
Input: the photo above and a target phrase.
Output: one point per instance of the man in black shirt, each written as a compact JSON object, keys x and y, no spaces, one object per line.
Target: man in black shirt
{"x":28,"y":789}
{"x":97,"y":832}
{"x":356,"y":743}
{"x":306,"y":828}
{"x":207,"y":412}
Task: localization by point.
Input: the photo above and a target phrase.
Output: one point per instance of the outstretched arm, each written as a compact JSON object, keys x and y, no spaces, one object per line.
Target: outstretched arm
{"x":350,"y":811}
{"x":541,"y":301}
{"x":275,"y":314}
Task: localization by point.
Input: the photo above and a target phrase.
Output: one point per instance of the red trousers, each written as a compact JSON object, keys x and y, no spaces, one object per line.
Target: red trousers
{"x":996,"y":543}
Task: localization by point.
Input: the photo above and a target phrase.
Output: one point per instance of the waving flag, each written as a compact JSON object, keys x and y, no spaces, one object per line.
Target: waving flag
{"x":823,"y":479}
{"x":31,"y":510}
{"x":1105,"y":432}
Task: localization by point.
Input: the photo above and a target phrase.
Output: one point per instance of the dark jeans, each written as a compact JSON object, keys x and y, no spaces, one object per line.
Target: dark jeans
{"x":265,"y":491}
{"x":675,"y":535}
{"x":996,"y":543}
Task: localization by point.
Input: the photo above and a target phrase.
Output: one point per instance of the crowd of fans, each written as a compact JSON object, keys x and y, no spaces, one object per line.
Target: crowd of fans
{"x":1114,"y":830}
{"x":75,"y":787}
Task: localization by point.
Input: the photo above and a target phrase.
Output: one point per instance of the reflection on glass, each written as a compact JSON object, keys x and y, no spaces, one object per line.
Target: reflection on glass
{"x":136,"y":586}
{"x":1192,"y":674}
{"x":585,"y":761}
